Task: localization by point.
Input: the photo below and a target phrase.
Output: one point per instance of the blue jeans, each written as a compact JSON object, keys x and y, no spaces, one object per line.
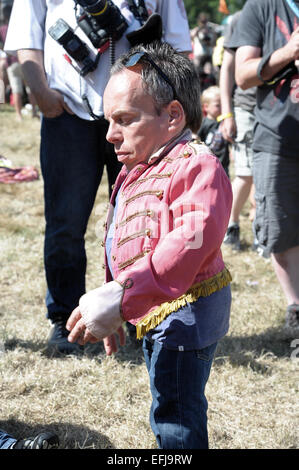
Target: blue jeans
{"x":73,"y":155}
{"x":178,"y":414}
{"x":6,"y":440}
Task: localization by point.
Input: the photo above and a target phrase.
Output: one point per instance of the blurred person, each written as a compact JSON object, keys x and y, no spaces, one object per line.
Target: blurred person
{"x":43,"y":440}
{"x":207,"y":76}
{"x":237,"y":128}
{"x":3,"y":69}
{"x":11,"y":72}
{"x":10,"y":69}
{"x":2,"y":88}
{"x":3,"y":56}
{"x":69,"y":93}
{"x":168,"y":215}
{"x":203,"y":39}
{"x":217,"y":56}
{"x":267,"y":37}
{"x":209,"y":131}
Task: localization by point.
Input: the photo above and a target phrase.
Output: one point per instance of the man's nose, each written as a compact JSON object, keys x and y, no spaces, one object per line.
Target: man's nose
{"x":113,"y":134}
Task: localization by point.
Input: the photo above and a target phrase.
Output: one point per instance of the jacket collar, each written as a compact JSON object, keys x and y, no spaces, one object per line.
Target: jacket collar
{"x":186,"y":134}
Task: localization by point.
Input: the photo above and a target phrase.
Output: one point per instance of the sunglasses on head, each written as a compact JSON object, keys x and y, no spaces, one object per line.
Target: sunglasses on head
{"x":135,"y":58}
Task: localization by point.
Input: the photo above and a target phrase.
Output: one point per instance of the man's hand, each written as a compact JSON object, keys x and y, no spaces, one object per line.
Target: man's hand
{"x":292,"y":47}
{"x":229,"y":129}
{"x":98,"y":317}
{"x":52,"y":104}
{"x":110,"y":342}
{"x":50,"y":101}
{"x":80,"y":333}
{"x":78,"y":330}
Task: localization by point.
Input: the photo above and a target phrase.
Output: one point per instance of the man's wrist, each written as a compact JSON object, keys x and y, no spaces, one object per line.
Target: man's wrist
{"x":273,"y":64}
{"x":274,"y":67}
{"x":224,"y":116}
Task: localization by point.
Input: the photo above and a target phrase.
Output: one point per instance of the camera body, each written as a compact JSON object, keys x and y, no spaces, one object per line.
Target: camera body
{"x":103,"y":23}
{"x":101,"y":20}
{"x":74,"y":46}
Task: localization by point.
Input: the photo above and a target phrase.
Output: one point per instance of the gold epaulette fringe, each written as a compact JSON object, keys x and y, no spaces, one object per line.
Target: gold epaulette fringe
{"x":202,"y":289}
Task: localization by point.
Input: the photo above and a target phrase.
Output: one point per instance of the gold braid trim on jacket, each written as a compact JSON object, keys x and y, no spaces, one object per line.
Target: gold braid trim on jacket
{"x":202,"y":289}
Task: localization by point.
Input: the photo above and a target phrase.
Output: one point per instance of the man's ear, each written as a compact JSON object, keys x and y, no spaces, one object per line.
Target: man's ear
{"x":176,"y":114}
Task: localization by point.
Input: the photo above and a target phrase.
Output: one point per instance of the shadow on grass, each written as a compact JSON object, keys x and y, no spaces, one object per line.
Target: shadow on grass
{"x":249,"y":350}
{"x":238,"y":350}
{"x":70,"y":436}
{"x":131,"y":352}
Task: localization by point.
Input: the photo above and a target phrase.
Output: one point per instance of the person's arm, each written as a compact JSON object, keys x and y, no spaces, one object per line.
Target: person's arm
{"x":176,"y":29}
{"x":226,"y":84}
{"x":50,"y":102}
{"x":25,"y":35}
{"x":193,"y":33}
{"x":248,"y":59}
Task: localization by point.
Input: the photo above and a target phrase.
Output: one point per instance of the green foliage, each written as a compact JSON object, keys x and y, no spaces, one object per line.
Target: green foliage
{"x":194,"y":7}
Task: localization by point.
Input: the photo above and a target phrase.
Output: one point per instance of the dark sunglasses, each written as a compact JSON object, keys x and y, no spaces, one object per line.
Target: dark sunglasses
{"x":135,"y":58}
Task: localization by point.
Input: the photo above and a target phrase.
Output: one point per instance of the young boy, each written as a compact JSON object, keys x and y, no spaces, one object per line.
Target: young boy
{"x":209,"y":131}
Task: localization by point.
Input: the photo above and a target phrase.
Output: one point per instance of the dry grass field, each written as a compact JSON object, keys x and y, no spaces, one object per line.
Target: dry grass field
{"x":96,"y":402}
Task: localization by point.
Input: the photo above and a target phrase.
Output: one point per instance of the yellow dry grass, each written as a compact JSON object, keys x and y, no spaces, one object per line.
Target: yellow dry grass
{"x":98,"y":402}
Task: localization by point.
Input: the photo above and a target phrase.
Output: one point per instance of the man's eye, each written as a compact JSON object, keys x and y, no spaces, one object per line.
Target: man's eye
{"x":123,"y":120}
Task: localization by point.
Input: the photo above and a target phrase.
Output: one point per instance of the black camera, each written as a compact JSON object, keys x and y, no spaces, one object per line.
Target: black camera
{"x":103,"y":23}
{"x":101,"y":20}
{"x":74,"y":46}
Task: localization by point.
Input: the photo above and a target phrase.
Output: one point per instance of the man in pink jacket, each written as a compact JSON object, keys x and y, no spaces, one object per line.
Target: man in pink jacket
{"x":169,"y":213}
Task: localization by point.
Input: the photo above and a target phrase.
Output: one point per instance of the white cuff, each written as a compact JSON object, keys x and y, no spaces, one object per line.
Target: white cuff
{"x":100,"y":309}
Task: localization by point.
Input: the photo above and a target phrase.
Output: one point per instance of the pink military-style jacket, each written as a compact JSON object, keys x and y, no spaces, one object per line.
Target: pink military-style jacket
{"x":172,"y":216}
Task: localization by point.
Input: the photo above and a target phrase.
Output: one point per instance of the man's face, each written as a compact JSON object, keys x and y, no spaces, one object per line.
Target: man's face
{"x":135,"y":128}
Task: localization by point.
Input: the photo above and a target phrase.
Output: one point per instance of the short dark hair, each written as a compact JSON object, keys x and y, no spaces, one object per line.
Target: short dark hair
{"x":181,"y":72}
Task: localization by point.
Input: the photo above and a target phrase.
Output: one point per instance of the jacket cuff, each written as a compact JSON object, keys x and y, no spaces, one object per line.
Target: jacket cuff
{"x":100,"y":309}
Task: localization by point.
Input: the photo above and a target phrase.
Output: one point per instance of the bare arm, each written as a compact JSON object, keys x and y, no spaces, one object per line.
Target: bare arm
{"x":248,"y":58}
{"x":226,"y":84}
{"x":50,"y":102}
{"x":247,"y":61}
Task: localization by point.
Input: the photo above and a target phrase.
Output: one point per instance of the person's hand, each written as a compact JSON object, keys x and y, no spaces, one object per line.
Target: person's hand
{"x":80,"y":333}
{"x":110,"y":343}
{"x":292,"y":47}
{"x":229,"y":129}
{"x":52,"y":104}
{"x":97,"y":316}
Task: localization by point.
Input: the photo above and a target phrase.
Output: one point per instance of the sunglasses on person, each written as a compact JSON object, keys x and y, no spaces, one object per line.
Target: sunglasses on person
{"x":135,"y":58}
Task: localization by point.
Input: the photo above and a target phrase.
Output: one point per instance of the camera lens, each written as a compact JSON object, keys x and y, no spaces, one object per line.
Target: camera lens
{"x":93,"y":6}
